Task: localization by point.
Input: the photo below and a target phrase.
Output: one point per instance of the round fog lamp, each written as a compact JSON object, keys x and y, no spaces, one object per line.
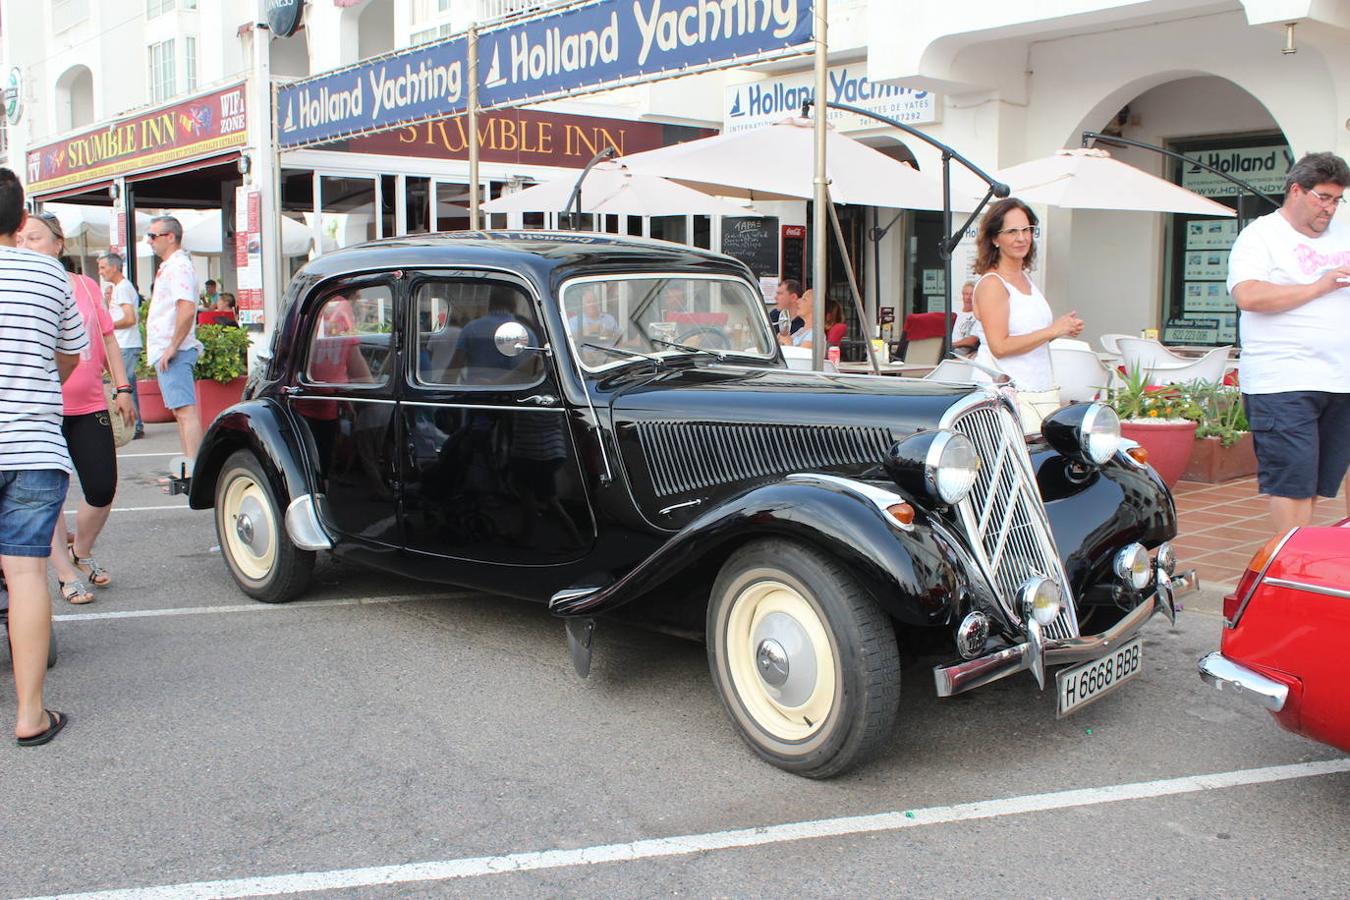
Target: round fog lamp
{"x":1167,"y":557}
{"x":972,"y":634}
{"x":1041,"y":600}
{"x":1131,"y":566}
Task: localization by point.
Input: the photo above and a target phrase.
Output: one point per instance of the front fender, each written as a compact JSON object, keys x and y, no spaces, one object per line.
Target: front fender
{"x":920,"y":575}
{"x":262,"y":428}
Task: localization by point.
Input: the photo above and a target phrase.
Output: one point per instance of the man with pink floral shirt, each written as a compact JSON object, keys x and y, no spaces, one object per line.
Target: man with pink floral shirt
{"x":171,"y":344}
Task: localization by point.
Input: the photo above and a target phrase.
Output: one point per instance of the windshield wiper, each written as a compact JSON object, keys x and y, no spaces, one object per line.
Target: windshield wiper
{"x":720,"y":357}
{"x":619,"y":351}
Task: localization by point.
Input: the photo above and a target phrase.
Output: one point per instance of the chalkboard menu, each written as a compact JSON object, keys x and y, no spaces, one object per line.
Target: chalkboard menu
{"x":754,"y":241}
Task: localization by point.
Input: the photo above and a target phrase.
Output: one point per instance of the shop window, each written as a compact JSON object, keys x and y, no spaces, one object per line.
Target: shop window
{"x":635,"y":226}
{"x":533,"y":220}
{"x":670,"y":228}
{"x":388,"y":207}
{"x":452,"y":206}
{"x":703,"y":232}
{"x":456,"y":324}
{"x":351,"y":339}
{"x":347,"y":211}
{"x":161,"y":71}
{"x":417,"y":205}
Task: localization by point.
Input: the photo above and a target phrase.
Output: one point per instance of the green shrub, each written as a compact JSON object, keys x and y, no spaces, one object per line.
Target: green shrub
{"x":224,"y":355}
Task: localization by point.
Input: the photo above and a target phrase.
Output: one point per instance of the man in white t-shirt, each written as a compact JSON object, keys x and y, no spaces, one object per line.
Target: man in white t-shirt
{"x":171,"y":344}
{"x":966,"y":331}
{"x":123,"y":305}
{"x":1289,"y":272}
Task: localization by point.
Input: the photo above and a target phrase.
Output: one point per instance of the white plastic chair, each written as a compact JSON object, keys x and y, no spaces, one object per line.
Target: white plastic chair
{"x":1110,"y":342}
{"x":1080,"y":374}
{"x":1162,"y":366}
{"x":951,"y":371}
{"x":799,"y":359}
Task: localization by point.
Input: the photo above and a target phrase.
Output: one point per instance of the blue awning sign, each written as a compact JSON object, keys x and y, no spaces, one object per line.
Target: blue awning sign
{"x":592,"y":46}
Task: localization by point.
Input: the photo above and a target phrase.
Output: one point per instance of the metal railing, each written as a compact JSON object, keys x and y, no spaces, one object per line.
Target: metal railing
{"x":494,"y":10}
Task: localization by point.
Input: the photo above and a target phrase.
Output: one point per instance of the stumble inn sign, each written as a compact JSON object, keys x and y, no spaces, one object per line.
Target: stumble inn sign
{"x":593,"y":45}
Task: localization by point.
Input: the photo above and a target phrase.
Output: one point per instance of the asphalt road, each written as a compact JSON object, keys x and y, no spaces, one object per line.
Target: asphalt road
{"x":387,"y":738}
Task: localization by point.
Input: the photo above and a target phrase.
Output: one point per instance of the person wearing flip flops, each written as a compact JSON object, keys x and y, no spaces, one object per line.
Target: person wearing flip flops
{"x":85,"y":424}
{"x":41,"y":338}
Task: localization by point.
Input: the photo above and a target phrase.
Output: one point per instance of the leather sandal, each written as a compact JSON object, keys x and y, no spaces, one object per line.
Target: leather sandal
{"x":76,"y":593}
{"x":98,"y":576}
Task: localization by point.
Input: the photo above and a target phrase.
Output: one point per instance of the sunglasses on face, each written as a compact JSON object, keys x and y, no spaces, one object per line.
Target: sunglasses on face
{"x":1025,"y":231}
{"x":152,"y":235}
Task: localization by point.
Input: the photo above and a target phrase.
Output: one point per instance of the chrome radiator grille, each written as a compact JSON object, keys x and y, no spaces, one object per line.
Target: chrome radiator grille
{"x":1004,"y":516}
{"x":687,"y":456}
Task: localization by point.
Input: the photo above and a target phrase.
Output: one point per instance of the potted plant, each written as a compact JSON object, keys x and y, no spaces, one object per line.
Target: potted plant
{"x":221,"y":370}
{"x":1223,"y":444}
{"x":1161,"y":418}
{"x":147,"y":387}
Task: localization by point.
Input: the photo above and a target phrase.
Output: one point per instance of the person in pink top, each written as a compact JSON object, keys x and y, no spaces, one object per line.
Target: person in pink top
{"x":85,"y":422}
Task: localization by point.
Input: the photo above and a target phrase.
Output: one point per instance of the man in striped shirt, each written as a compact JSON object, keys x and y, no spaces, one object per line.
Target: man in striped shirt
{"x":41,"y":338}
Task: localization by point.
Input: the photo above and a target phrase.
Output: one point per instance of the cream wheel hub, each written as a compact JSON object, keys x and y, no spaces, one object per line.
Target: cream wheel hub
{"x":248,"y":528}
{"x":780,"y":660}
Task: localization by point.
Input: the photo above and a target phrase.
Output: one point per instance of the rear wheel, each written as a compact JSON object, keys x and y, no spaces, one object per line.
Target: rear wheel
{"x":252,"y":534}
{"x":804,"y":659}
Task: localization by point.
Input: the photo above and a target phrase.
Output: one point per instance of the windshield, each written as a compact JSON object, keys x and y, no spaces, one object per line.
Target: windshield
{"x":645,"y":315}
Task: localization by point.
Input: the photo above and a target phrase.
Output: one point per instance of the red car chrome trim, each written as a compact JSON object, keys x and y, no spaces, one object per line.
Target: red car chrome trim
{"x":1310,"y":588}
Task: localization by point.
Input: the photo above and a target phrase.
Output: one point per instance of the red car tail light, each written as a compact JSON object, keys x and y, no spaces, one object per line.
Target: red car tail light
{"x":1235,"y":602}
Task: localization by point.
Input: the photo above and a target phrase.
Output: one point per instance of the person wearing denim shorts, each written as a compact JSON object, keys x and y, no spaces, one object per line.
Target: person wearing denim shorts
{"x":41,"y":338}
{"x":171,"y":344}
{"x":1289,"y":273}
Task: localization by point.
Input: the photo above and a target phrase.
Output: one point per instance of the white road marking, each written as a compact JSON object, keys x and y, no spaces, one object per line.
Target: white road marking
{"x":71,"y":512}
{"x":655,"y":848}
{"x":250,"y":607}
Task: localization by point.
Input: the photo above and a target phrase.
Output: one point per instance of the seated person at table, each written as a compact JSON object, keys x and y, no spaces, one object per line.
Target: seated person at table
{"x":966,"y":333}
{"x":592,"y":322}
{"x":835,"y":326}
{"x":805,"y":309}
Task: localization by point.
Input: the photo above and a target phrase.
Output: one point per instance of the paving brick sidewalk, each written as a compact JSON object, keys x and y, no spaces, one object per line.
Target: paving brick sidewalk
{"x":1220,"y":526}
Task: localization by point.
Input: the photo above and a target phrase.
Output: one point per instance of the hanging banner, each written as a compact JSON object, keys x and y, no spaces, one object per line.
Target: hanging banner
{"x":757,"y":103}
{"x":1263,"y":168}
{"x":592,"y":46}
{"x":202,"y":126}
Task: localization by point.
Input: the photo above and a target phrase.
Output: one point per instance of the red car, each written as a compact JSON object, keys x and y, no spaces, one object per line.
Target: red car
{"x":1284,"y":632}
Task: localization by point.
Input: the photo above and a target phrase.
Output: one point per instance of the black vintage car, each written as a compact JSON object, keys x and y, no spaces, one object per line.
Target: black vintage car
{"x":607,"y":426}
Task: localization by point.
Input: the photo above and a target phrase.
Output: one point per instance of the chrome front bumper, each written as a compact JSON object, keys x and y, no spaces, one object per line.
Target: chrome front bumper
{"x":1222,"y":672}
{"x":1038,"y":652}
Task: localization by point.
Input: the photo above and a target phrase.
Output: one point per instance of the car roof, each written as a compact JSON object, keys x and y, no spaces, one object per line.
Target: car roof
{"x":548,"y":255}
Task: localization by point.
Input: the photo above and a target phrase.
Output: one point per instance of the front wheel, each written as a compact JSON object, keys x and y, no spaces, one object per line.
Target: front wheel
{"x":252,"y":535}
{"x":804,"y":659}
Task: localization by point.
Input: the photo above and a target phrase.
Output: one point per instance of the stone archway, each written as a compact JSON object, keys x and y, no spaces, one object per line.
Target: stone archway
{"x":74,"y":106}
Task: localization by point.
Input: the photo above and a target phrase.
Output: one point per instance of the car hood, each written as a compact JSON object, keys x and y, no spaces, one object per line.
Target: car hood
{"x":691,"y":437}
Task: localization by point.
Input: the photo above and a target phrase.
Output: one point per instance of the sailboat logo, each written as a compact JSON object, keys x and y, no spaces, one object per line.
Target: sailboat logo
{"x":736,"y":106}
{"x":494,"y":75}
{"x":289,"y":124}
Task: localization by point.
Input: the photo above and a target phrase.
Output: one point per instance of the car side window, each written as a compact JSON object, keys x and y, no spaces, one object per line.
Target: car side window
{"x":457,"y":321}
{"x":351,"y":339}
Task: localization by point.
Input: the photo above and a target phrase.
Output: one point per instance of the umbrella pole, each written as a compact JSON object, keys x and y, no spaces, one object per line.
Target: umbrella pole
{"x":819,"y":238}
{"x":472,"y":121}
{"x":857,"y":296}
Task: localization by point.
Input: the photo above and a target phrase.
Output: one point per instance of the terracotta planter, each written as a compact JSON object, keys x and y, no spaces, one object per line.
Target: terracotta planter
{"x":1169,"y":445}
{"x":1211,"y":462}
{"x":152,"y":403}
{"x":213,"y":397}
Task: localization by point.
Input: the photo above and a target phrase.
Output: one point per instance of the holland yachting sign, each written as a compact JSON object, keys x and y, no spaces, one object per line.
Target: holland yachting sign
{"x":749,"y":106}
{"x":593,"y":45}
{"x":283,"y":16}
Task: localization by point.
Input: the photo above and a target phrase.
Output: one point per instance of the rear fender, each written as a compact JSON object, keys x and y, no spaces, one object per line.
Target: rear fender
{"x":921,"y":575}
{"x":262,"y":428}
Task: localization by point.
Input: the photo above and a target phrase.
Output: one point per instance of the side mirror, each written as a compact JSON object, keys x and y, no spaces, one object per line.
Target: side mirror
{"x":512,"y":339}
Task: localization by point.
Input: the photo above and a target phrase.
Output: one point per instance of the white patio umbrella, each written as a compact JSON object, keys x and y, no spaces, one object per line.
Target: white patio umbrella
{"x":776,"y":162}
{"x":88,"y":222}
{"x":1093,"y":179}
{"x":612,"y":187}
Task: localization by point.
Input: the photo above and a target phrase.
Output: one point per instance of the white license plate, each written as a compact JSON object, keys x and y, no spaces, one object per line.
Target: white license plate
{"x":1090,"y":681}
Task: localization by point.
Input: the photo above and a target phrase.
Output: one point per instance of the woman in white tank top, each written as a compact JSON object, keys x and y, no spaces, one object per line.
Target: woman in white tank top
{"x":1017,"y":322}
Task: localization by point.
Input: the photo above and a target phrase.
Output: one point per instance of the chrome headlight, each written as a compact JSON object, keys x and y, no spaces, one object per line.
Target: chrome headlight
{"x":1132,"y":566}
{"x":1042,"y":600}
{"x":1088,"y":432}
{"x":1166,"y":557}
{"x":941,"y":464}
{"x":1100,"y":433}
{"x":951,"y":466}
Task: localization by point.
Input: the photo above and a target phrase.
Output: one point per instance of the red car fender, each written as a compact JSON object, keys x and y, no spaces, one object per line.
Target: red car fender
{"x":1295,"y":628}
